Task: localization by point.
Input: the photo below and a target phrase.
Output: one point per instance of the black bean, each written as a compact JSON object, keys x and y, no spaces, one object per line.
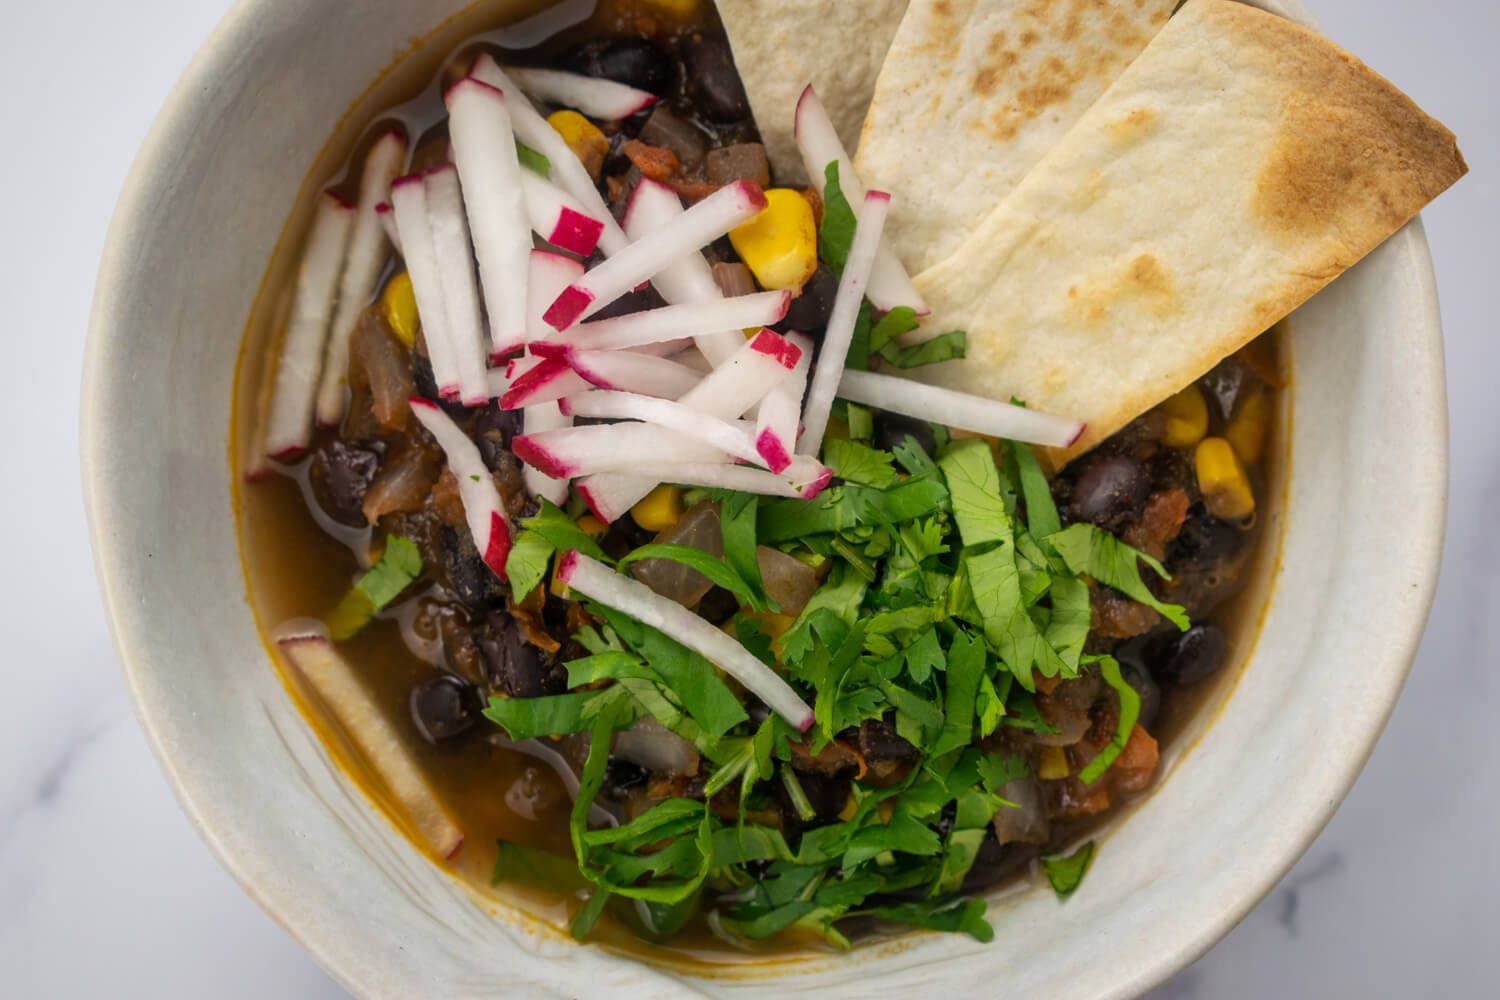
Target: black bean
{"x":340,"y":473}
{"x":493,"y":432}
{"x":470,"y":579}
{"x":443,"y":707}
{"x":1110,"y":490}
{"x":878,"y":740}
{"x":1194,"y":656}
{"x":811,"y":308}
{"x":638,"y":62}
{"x":1205,"y":541}
{"x":893,"y":428}
{"x":623,"y":537}
{"x":518,"y":668}
{"x":715,"y":83}
{"x":1133,"y":669}
{"x":620,"y":776}
{"x":717,"y":606}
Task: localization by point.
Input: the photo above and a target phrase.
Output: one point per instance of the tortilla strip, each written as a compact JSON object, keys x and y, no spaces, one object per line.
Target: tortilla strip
{"x":780,"y":46}
{"x":1234,"y":169}
{"x":974,"y":93}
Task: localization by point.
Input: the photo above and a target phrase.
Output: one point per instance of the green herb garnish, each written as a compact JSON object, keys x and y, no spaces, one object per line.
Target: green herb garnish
{"x":1066,"y":873}
{"x":532,"y":160}
{"x":393,"y":572}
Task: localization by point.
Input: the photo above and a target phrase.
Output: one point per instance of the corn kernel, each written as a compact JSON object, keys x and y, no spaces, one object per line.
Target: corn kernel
{"x":1187,"y":418}
{"x":660,"y":509}
{"x":780,"y":245}
{"x":398,"y":304}
{"x":592,"y":526}
{"x":1222,"y":480}
{"x":1054,"y":764}
{"x":583,"y":138}
{"x":1246,"y":432}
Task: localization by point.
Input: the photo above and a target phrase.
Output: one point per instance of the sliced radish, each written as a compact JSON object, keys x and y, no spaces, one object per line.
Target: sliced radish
{"x":367,"y":255}
{"x":581,"y":451}
{"x":409,"y":208}
{"x":484,"y":148}
{"x":642,"y":260}
{"x":628,"y":371}
{"x":733,"y":388}
{"x":387,"y":217}
{"x":289,"y":420}
{"x":853,"y":285}
{"x":339,"y":687}
{"x":610,"y":495}
{"x":567,"y":170}
{"x":716,"y":433}
{"x":546,"y":276}
{"x":654,"y":326}
{"x":780,"y":413}
{"x":535,"y":420}
{"x":692,"y":358}
{"x":593,"y":96}
{"x":631,"y":597}
{"x":545,"y":382}
{"x":476,"y":487}
{"x":655,"y":206}
{"x":958,"y":409}
{"x":450,"y":241}
{"x":558,"y":218}
{"x":890,"y":285}
{"x":803,"y":479}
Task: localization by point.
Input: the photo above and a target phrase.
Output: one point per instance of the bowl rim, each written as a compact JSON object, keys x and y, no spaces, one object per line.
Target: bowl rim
{"x":185,"y":103}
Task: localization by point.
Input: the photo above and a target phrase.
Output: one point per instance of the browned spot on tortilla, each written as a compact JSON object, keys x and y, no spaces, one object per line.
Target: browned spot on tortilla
{"x":943,"y":9}
{"x":1351,"y":153}
{"x":1133,"y":126}
{"x":1144,"y":283}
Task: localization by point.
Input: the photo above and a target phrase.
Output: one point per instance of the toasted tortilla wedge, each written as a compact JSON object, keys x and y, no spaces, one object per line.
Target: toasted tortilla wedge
{"x":1234,"y":169}
{"x":974,"y":93}
{"x":780,"y":46}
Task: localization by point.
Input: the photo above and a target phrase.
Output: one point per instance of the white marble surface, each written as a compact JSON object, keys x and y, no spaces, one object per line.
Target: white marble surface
{"x":106,"y":892}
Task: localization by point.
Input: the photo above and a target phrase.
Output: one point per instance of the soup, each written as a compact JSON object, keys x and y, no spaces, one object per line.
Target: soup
{"x":620,"y":610}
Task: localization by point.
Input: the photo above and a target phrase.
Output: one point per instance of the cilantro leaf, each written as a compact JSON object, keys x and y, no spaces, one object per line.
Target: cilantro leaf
{"x":1130,"y":711}
{"x":692,"y":680}
{"x":382,"y":583}
{"x":1072,"y":614}
{"x":562,"y":531}
{"x":1008,"y":627}
{"x":710,"y":565}
{"x":949,"y":346}
{"x":526,"y":563}
{"x":966,"y":917}
{"x":534,"y":866}
{"x":900,"y":320}
{"x":836,"y":234}
{"x":737,"y":516}
{"x":858,"y":463}
{"x":1066,"y":873}
{"x":858,"y":355}
{"x":965,"y":667}
{"x":1090,"y":551}
{"x":1041,"y":509}
{"x":840,"y":595}
{"x":974,"y":487}
{"x":998,"y":770}
{"x":553,"y":715}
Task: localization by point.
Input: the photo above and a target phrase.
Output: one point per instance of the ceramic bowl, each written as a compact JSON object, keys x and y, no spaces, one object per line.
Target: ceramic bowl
{"x":223,"y":170}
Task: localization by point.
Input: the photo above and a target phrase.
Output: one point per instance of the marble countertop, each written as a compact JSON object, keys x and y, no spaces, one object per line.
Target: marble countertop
{"x":106,"y":891}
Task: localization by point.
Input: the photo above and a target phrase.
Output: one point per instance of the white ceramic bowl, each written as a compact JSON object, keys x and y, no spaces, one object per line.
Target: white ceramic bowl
{"x":203,"y":210}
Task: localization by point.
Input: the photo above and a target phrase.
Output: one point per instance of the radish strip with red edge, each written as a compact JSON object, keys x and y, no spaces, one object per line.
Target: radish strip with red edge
{"x":890,"y":285}
{"x":803,"y":479}
{"x":582,"y":451}
{"x":780,"y":413}
{"x":557,"y":217}
{"x":476,"y":487}
{"x":628,"y":371}
{"x":610,"y":495}
{"x":733,"y":388}
{"x":631,"y":597}
{"x":548,"y":381}
{"x":534,"y":420}
{"x":387,"y":218}
{"x":339,"y":686}
{"x":653,"y":206}
{"x":958,"y":410}
{"x":593,"y":96}
{"x":289,"y":420}
{"x":824,"y":385}
{"x":567,"y":170}
{"x":654,"y":326}
{"x":409,"y":208}
{"x":642,"y":260}
{"x":484,"y":149}
{"x":367,"y":255}
{"x":450,"y":242}
{"x":547,"y":274}
{"x":716,"y":433}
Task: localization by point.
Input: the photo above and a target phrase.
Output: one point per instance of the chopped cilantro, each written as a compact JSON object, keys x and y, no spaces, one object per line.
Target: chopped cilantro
{"x":1066,"y":873}
{"x":393,"y":572}
{"x":836,"y":234}
{"x":1090,"y":551}
{"x":950,"y":346}
{"x":858,"y":463}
